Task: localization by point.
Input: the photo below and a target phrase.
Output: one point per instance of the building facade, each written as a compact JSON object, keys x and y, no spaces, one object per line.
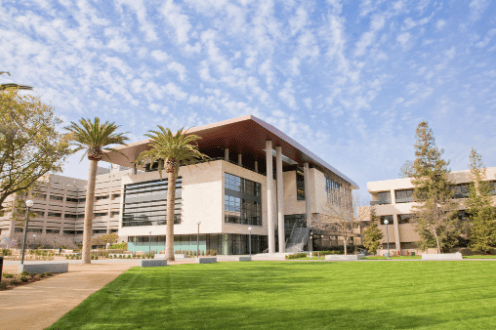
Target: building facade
{"x":59,"y":205}
{"x":393,"y":200}
{"x":231,"y":198}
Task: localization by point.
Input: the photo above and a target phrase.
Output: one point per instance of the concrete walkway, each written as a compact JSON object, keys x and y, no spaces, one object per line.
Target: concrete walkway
{"x":39,"y":304}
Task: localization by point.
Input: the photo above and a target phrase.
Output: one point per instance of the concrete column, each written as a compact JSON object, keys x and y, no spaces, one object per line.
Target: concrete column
{"x":308,"y":201}
{"x":226,"y":154}
{"x":256,"y":166}
{"x":135,"y":169}
{"x":225,"y":245}
{"x":396,"y":233}
{"x":240,"y":159}
{"x":270,"y":197}
{"x":393,"y":197}
{"x":280,"y":200}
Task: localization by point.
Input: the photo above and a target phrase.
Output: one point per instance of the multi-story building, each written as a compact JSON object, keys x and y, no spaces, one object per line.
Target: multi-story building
{"x":259,"y":183}
{"x":393,"y":200}
{"x":59,"y":204}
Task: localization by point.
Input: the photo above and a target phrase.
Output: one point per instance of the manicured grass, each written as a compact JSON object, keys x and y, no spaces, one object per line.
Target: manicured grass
{"x":393,"y":257}
{"x":295,"y":295}
{"x":480,"y":257}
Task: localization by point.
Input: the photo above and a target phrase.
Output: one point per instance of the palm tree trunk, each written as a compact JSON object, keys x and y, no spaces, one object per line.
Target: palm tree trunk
{"x":88,"y":212}
{"x":171,"y":204}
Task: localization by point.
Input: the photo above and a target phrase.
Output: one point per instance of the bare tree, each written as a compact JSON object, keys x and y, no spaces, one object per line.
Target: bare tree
{"x":342,"y":213}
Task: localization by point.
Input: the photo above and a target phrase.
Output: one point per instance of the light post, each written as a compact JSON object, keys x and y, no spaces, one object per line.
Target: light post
{"x":198,"y":240}
{"x":34,"y":241}
{"x":310,"y":243}
{"x":386,"y":222}
{"x":249,"y":240}
{"x":29,"y":203}
{"x":149,"y":242}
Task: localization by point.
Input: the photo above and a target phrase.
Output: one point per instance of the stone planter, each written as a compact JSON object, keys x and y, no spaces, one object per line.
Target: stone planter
{"x":442,"y":256}
{"x":152,"y":263}
{"x":59,"y":267}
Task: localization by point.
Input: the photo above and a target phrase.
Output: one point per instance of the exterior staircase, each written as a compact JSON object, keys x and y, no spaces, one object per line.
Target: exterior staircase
{"x":298,"y":238}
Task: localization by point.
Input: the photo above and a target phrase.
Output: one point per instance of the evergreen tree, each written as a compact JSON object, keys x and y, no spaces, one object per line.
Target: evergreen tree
{"x":435,"y":212}
{"x":372,"y":235}
{"x":482,"y":215}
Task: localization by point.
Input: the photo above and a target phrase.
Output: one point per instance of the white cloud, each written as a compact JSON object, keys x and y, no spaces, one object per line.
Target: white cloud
{"x":404,"y":39}
{"x":440,"y":24}
{"x":477,"y":7}
{"x":179,"y":21}
{"x":287,"y":94}
{"x":176,"y":91}
{"x":160,"y":55}
{"x":179,"y":69}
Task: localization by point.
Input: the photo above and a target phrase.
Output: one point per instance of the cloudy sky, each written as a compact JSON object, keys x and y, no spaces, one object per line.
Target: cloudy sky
{"x":350,"y":81}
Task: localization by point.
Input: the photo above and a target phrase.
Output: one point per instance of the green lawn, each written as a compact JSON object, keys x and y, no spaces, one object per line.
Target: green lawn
{"x":480,"y":257}
{"x":295,"y":295}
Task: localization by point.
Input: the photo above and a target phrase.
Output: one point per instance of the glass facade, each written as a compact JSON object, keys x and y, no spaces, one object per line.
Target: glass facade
{"x":242,"y":201}
{"x":404,"y":218}
{"x":389,"y":218}
{"x":145,"y":203}
{"x":300,"y":185}
{"x":404,"y":196}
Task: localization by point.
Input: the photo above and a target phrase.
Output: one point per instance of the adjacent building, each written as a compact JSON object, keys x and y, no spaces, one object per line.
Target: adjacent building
{"x":393,"y":200}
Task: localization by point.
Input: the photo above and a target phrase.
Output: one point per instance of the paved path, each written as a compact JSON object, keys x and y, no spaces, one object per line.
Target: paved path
{"x":40,"y":304}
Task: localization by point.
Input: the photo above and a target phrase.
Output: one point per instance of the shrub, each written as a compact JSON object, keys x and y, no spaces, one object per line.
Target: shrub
{"x":3,"y":285}
{"x":5,"y":252}
{"x":24,"y":278}
{"x":296,"y":255}
{"x":8,"y":275}
{"x":67,"y":256}
{"x":47,"y":274}
{"x":129,"y":256}
{"x":14,"y":282}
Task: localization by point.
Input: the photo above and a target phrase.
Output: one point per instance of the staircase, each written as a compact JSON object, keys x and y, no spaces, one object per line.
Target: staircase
{"x":298,"y":239}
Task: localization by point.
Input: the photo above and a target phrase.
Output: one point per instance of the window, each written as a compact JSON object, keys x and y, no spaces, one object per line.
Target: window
{"x":337,"y":194}
{"x":99,"y":231}
{"x":82,"y":200}
{"x":40,"y":214}
{"x":56,"y":198}
{"x":114,"y":230}
{"x":242,"y":201}
{"x":385,"y":197}
{"x":53,"y":231}
{"x":115,"y":196}
{"x":54,"y":214}
{"x":300,"y":185}
{"x":101,"y":197}
{"x":389,"y":218}
{"x":492,"y":186}
{"x":80,"y":216}
{"x":404,"y":196}
{"x":69,"y":232}
{"x":19,"y":230}
{"x":40,"y":196}
{"x":71,"y":199}
{"x":70,"y":216}
{"x":404,"y":218}
{"x":460,"y":190}
{"x":145,"y":203}
{"x":79,"y":232}
{"x":100,"y":214}
{"x":35,"y":230}
{"x":114,"y":213}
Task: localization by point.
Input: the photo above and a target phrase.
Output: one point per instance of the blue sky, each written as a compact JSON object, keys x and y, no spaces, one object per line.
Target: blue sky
{"x":349,"y":80}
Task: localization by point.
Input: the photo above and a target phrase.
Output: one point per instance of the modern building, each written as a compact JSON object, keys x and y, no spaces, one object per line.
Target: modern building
{"x":59,"y":204}
{"x":393,"y":200}
{"x":259,"y":183}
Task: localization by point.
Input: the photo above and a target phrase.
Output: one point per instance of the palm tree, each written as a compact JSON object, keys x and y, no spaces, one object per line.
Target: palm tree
{"x":11,"y":85}
{"x":171,"y":150}
{"x":93,"y":137}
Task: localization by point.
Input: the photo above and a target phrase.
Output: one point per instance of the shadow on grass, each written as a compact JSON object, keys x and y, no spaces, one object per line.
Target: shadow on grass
{"x":156,"y":315}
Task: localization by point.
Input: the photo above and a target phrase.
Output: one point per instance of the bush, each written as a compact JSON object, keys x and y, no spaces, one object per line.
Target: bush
{"x":14,"y":282}
{"x":5,"y":252}
{"x":8,"y":275}
{"x":24,"y":278}
{"x":296,"y":255}
{"x":47,"y":274}
{"x":321,"y":253}
{"x":3,"y":285}
{"x":67,"y":256}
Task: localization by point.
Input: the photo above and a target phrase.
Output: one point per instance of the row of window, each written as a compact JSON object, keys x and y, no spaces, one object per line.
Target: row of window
{"x":74,"y":216}
{"x":461,"y":190}
{"x":235,"y":183}
{"x":407,"y":218}
{"x":75,"y":200}
{"x":66,"y":232}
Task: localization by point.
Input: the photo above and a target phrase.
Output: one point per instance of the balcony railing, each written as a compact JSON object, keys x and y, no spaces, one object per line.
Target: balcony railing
{"x":383,"y":201}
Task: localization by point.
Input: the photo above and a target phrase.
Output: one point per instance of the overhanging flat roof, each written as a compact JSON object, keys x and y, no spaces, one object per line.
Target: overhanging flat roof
{"x":245,"y":135}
